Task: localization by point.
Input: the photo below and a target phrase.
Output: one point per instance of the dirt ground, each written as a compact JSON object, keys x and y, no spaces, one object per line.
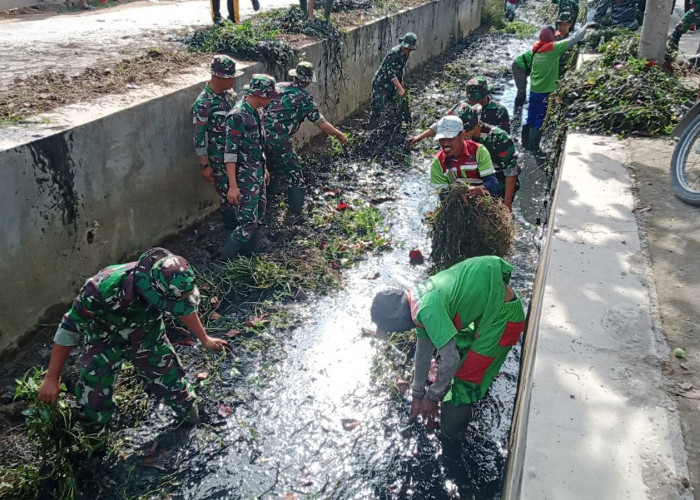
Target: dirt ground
{"x":670,"y":229}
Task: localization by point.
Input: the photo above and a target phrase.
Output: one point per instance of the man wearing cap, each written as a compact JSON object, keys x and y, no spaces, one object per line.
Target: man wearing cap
{"x":119,"y":315}
{"x":564,"y":24}
{"x":245,"y":166}
{"x":497,"y":142}
{"x":472,"y":317}
{"x":492,"y":112}
{"x":209,"y":116}
{"x":570,"y":7}
{"x":690,"y":18}
{"x":387,"y":84}
{"x":282,"y":120}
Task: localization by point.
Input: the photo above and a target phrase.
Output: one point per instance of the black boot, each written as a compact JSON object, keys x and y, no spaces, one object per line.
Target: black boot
{"x":295,"y":200}
{"x":232,"y":12}
{"x":216,"y":11}
{"x":256,"y":5}
{"x":252,"y":246}
{"x":231,"y":248}
{"x":519,"y":99}
{"x":675,"y":38}
{"x":534,"y":140}
{"x":328,"y":8}
{"x":228,"y":215}
{"x":525,"y":136}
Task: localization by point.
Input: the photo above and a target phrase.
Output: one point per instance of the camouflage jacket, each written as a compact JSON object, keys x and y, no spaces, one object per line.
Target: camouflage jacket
{"x":502,"y":150}
{"x":285,"y":114}
{"x":568,"y":6}
{"x":109,"y":308}
{"x":496,"y":114}
{"x":392,"y":67}
{"x":209,"y":118}
{"x":244,"y":138}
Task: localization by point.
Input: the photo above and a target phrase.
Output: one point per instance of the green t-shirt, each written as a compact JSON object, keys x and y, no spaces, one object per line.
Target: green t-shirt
{"x":545,"y":68}
{"x":524,"y":60}
{"x":475,"y":161}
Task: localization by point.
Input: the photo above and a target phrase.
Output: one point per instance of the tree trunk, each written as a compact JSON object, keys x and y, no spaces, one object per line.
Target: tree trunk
{"x":657,"y":18}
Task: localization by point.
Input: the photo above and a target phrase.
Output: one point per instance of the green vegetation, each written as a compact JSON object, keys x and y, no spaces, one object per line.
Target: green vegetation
{"x":518,"y":28}
{"x":492,"y":15}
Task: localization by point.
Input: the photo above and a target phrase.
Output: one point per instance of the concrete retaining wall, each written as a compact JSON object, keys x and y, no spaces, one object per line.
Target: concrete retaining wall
{"x":116,"y":180}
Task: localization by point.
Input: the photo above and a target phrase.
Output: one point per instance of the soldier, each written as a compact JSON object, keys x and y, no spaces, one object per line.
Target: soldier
{"x":622,"y":13}
{"x":209,"y":116}
{"x":245,"y":166}
{"x":565,"y":22}
{"x":119,"y":314}
{"x":233,"y":14}
{"x":472,"y":317}
{"x":570,"y":6}
{"x":387,"y":84}
{"x":492,"y":112}
{"x":497,"y":142}
{"x":282,"y":119}
{"x":690,"y":18}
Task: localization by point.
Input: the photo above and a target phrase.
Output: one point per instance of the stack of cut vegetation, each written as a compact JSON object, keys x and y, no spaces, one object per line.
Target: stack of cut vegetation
{"x":469,"y":227}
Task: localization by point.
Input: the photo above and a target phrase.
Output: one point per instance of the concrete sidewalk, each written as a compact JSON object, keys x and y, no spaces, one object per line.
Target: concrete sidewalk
{"x":72,"y":42}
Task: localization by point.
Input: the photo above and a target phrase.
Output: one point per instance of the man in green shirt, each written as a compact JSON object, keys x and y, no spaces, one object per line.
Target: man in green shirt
{"x":472,"y":318}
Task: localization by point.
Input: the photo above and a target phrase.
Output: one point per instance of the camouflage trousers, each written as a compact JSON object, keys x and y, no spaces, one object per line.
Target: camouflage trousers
{"x":387,"y":108}
{"x":283,"y":164}
{"x":220,"y":181}
{"x":251,"y":209}
{"x":153,"y":358}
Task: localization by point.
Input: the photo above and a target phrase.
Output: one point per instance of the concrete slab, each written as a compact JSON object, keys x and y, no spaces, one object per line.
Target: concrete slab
{"x":600,"y":422}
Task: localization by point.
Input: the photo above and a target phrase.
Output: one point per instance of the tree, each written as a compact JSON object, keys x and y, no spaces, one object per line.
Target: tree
{"x":657,"y":18}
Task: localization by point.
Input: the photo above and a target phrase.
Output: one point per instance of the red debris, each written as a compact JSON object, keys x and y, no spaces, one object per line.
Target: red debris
{"x":416,"y":257}
{"x":223,"y":409}
{"x":342,"y":206}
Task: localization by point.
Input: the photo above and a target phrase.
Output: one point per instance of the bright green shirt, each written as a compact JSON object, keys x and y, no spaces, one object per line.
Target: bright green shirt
{"x":545,"y":68}
{"x":465,"y":166}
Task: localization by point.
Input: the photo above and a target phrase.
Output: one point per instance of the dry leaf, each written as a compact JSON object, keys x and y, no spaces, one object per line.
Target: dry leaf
{"x":349,"y":423}
{"x":233,"y":333}
{"x":214,"y":316}
{"x":223,"y":409}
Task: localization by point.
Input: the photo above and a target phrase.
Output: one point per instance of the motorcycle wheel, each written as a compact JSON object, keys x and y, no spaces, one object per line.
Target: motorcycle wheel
{"x":685,"y":165}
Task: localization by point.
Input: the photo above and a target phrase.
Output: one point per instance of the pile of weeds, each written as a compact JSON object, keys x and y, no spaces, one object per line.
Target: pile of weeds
{"x":518,"y":28}
{"x":464,"y":228}
{"x":493,"y":15}
{"x":392,"y":364}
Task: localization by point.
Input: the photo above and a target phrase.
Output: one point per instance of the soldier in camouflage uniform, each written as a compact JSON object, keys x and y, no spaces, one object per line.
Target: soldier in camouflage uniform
{"x":119,"y":315}
{"x":387,"y":84}
{"x":622,"y":13}
{"x":570,"y":6}
{"x":245,"y":166}
{"x":492,"y":112}
{"x":498,"y":143}
{"x":283,"y":117}
{"x":209,"y":116}
{"x":689,"y":18}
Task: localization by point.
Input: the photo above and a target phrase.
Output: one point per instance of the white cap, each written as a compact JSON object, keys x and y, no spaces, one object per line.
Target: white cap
{"x":449,"y":127}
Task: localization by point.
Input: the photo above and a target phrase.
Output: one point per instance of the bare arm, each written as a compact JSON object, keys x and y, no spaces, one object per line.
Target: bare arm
{"x":234,"y":194}
{"x":194,"y":324}
{"x":510,"y":192}
{"x":328,"y":129}
{"x":399,"y":87}
{"x":50,"y":387}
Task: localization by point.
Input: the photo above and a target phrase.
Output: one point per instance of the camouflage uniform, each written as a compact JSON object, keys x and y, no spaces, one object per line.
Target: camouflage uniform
{"x":622,"y":13}
{"x":384,"y":95}
{"x":283,"y":117}
{"x":570,"y":6}
{"x":119,"y":314}
{"x":245,"y":143}
{"x":493,"y":113}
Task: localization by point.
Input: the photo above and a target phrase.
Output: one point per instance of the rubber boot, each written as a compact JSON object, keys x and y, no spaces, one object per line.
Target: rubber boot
{"x":675,"y":38}
{"x":256,"y":5}
{"x":519,"y":99}
{"x":295,"y":200}
{"x":534,"y":140}
{"x":215,"y":11}
{"x":228,"y":215}
{"x":525,"y":136}
{"x":231,"y":248}
{"x":252,"y":246}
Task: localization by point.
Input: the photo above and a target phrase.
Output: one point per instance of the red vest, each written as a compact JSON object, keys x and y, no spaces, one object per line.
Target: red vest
{"x":464,"y":167}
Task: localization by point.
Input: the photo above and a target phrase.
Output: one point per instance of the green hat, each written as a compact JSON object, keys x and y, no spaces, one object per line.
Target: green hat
{"x":470,"y":115}
{"x":262,"y":86}
{"x":477,"y":88}
{"x":166,"y":281}
{"x":409,"y":41}
{"x":304,"y":72}
{"x":564,"y":16}
{"x":224,"y":67}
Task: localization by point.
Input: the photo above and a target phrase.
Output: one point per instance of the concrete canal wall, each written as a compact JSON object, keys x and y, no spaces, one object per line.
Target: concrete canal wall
{"x":96,"y":183}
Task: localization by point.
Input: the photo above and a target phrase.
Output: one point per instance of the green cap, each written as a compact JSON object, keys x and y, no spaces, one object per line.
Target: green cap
{"x":304,"y":72}
{"x":409,"y":41}
{"x":564,"y":16}
{"x":477,"y":88}
{"x":224,"y":67}
{"x":262,"y":86}
{"x":167,"y":282}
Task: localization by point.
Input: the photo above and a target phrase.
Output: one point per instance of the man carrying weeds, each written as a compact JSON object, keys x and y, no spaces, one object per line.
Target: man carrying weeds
{"x":119,"y":315}
{"x":492,"y":112}
{"x":387,"y":84}
{"x":472,"y":317}
{"x":245,"y":166}
{"x":283,"y":117}
{"x":209,"y":116}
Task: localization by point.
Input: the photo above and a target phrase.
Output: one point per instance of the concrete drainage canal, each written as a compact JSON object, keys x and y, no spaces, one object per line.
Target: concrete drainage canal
{"x":319,"y":411}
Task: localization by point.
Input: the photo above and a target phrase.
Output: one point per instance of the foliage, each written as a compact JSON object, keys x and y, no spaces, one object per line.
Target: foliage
{"x":519,"y":28}
{"x":19,"y":482}
{"x":492,"y":15}
{"x":353,"y":232}
{"x":484,"y":226}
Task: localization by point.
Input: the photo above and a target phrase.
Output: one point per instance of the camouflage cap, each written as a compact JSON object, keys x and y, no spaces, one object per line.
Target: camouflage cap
{"x":409,"y":41}
{"x":564,"y":16}
{"x":304,"y":72}
{"x":224,"y":67}
{"x":166,"y":281}
{"x":262,"y":86}
{"x":477,"y":88}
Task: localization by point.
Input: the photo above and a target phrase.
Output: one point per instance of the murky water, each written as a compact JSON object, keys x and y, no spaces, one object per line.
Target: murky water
{"x":312,"y":420}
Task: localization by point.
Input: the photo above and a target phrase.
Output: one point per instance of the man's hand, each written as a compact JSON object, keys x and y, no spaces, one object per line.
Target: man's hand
{"x":426,"y":408}
{"x":411,"y":141}
{"x":214,"y":344}
{"x":402,"y":92}
{"x":342,"y":138}
{"x":234,"y":195}
{"x":267,"y":177}
{"x":49,"y":389}
{"x":208,"y":174}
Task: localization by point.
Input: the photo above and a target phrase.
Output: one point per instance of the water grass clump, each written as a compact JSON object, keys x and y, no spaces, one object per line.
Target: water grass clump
{"x":460,"y":230}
